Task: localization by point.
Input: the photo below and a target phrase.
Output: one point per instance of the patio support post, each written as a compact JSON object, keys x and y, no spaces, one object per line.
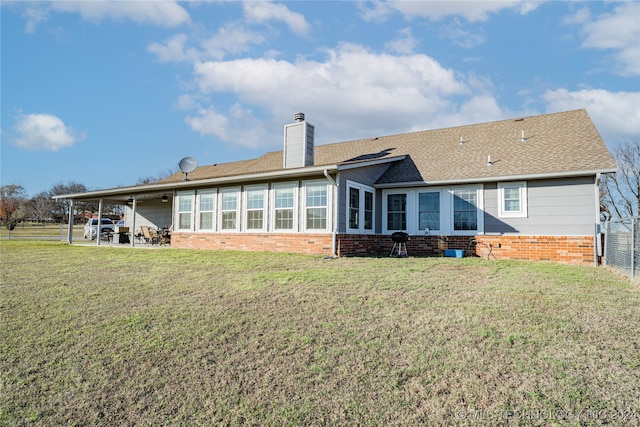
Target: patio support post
{"x":70,"y":227}
{"x":99,"y":222}
{"x":133,"y":221}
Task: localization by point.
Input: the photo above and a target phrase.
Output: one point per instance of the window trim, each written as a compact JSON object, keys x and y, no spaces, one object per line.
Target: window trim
{"x":213,"y":192}
{"x":221,"y":193}
{"x":328,"y":195}
{"x":362,"y":188}
{"x":408,"y":208}
{"x":265,"y":207}
{"x":179,"y":195}
{"x":522,"y":193}
{"x":439,"y":192}
{"x":272,"y":207}
{"x":479,"y":210}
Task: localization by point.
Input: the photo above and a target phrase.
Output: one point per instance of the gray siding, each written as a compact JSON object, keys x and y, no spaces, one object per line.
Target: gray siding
{"x":151,"y":213}
{"x":558,"y":207}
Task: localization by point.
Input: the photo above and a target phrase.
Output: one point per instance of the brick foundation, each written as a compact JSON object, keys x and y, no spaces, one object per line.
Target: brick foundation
{"x":283,"y":242}
{"x":563,"y":249}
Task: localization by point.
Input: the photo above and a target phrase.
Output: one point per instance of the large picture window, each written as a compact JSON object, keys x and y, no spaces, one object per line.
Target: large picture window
{"x":284,"y":205}
{"x":512,"y":199}
{"x":315,"y":205}
{"x":397,"y":211}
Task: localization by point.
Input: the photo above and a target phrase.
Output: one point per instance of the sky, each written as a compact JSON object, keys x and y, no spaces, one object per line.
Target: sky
{"x":105,"y":93}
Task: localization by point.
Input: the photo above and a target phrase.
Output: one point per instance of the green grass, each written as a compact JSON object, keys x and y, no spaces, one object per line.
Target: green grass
{"x":123,"y":336}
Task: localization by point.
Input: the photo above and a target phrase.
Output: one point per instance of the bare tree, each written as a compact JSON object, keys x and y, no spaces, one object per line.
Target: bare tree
{"x":61,"y":206}
{"x":41,"y":207}
{"x":12,"y":198}
{"x":620,"y":192}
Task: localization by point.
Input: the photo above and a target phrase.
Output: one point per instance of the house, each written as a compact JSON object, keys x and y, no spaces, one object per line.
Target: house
{"x":525,"y":188}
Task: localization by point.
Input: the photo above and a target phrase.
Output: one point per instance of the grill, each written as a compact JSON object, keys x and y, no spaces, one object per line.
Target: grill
{"x":399,"y":244}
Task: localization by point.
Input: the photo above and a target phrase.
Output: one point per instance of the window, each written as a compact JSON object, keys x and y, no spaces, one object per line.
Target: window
{"x":465,"y":211}
{"x":316,"y":205}
{"x":284,"y":204}
{"x":368,"y":210}
{"x":229,"y":209}
{"x":429,"y":211}
{"x":206,"y":210}
{"x":512,"y":199}
{"x":354,"y":207}
{"x":255,"y":206}
{"x":185,"y":210}
{"x":396,"y":211}
{"x":360,"y":204}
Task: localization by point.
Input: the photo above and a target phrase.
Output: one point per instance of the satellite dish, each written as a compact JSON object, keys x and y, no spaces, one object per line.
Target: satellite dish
{"x":186,"y":165}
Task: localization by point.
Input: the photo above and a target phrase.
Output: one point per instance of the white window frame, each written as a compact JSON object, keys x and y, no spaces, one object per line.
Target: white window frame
{"x":199,"y":211}
{"x":221,"y":210}
{"x":273,"y":209}
{"x":442,"y":212}
{"x":265,"y":204}
{"x":446,"y":210}
{"x":180,"y":195}
{"x":327,"y":206}
{"x":361,"y":205}
{"x":408,"y":209}
{"x":479,"y":210}
{"x":522,"y":193}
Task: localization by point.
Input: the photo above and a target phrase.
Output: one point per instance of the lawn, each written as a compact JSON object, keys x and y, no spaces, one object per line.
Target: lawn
{"x":108,"y":336}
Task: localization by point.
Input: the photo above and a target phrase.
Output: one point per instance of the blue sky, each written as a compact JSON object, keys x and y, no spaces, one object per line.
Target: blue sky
{"x":106,"y":92}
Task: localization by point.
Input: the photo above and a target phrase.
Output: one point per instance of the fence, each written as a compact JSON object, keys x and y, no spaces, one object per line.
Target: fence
{"x":622,"y":246}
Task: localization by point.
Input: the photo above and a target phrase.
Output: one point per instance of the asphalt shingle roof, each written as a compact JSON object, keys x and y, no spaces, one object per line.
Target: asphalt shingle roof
{"x":557,"y":143}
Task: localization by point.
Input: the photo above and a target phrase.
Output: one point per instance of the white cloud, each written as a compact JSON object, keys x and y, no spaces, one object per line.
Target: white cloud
{"x":404,"y":43}
{"x":460,"y":36}
{"x":615,"y":114}
{"x":44,"y":132}
{"x":172,"y":51}
{"x":618,"y":31}
{"x":352,"y":92}
{"x":471,"y":11}
{"x":160,"y":13}
{"x":230,"y":39}
{"x":238,"y":126}
{"x":33,"y":16}
{"x":261,"y":11}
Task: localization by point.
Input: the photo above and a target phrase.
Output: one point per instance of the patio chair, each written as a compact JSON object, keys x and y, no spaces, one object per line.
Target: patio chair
{"x":146,"y":234}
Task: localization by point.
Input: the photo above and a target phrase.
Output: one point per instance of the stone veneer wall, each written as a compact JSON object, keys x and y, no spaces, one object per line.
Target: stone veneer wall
{"x":564,"y":249}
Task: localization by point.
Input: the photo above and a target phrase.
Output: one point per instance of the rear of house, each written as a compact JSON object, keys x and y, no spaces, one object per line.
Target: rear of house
{"x":525,"y":188}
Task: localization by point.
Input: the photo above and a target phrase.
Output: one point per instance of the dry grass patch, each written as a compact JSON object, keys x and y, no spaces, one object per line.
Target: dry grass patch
{"x":103,"y":336}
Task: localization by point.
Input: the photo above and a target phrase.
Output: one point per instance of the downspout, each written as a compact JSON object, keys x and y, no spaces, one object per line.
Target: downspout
{"x":334,"y":233}
{"x":597,"y":231}
{"x":133,"y":221}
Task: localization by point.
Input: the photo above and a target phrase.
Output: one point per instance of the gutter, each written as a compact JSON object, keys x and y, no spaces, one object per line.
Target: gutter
{"x":496,"y":178}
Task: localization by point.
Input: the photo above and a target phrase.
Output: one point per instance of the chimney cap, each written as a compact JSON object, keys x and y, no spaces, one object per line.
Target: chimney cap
{"x":299,"y":117}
